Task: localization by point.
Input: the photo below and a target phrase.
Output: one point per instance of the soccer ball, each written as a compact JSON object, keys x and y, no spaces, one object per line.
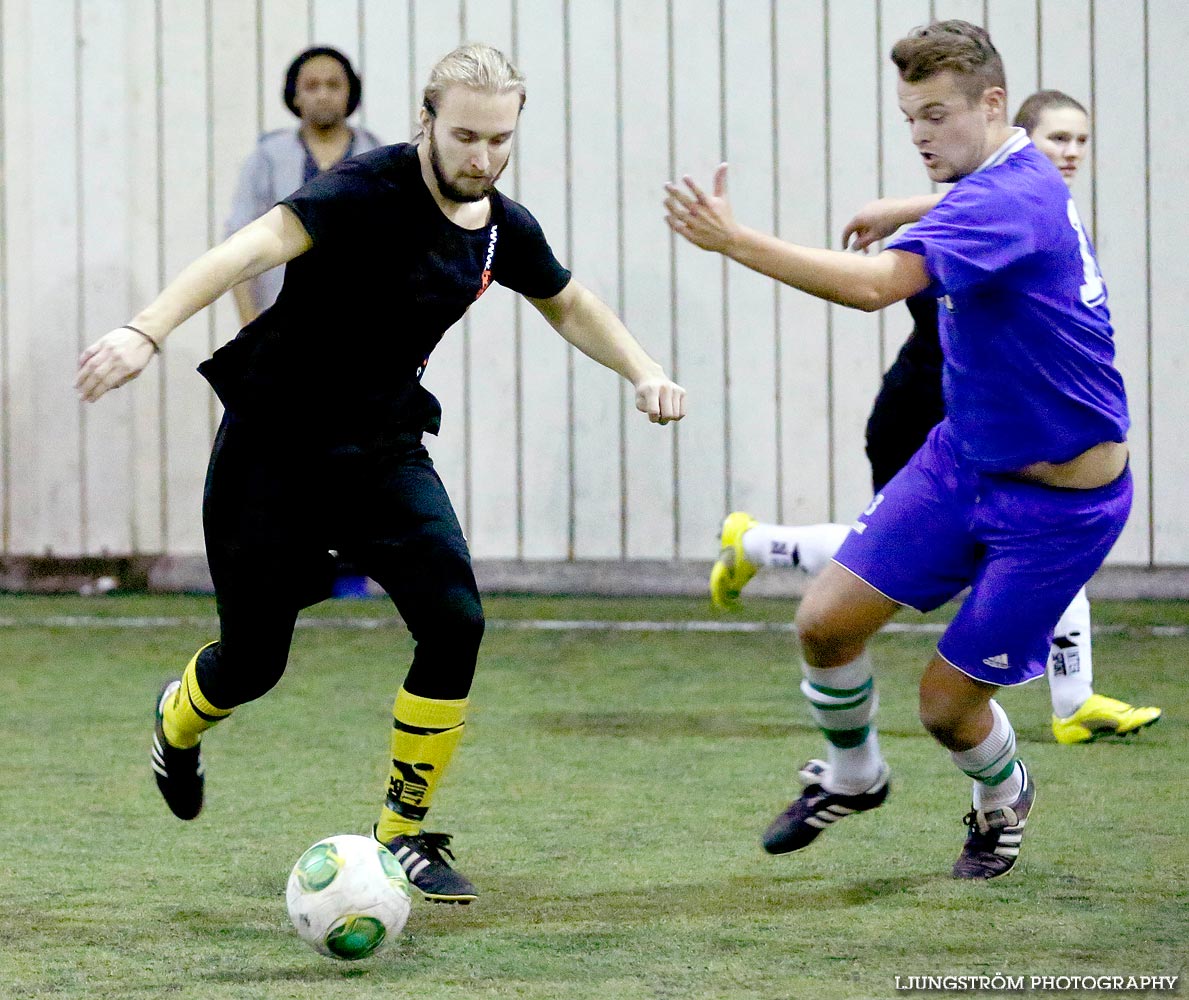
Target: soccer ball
{"x":347,"y":895}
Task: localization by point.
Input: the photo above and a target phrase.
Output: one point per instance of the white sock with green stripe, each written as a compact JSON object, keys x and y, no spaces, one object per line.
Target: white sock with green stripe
{"x":998,"y":779}
{"x":842,"y":701}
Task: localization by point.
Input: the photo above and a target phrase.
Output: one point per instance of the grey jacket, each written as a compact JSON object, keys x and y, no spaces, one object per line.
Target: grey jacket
{"x":274,"y":170}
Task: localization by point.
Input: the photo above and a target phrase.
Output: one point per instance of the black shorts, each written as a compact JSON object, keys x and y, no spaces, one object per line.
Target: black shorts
{"x":908,"y":406}
{"x":273,"y":511}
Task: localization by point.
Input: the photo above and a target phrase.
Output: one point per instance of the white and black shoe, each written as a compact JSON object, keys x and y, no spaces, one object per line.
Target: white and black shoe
{"x":178,"y":772}
{"x":994,"y":836}
{"x":421,"y":856}
{"x":818,"y":809}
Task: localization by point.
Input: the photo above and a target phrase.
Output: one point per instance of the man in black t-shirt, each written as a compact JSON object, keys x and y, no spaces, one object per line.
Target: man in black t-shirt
{"x":320,"y":446}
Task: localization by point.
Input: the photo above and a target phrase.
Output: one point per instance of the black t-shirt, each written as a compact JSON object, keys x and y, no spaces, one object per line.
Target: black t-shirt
{"x":346,"y":343}
{"x":922,"y":350}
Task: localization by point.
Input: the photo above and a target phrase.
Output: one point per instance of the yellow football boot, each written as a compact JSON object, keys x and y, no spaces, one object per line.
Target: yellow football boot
{"x":732,"y":569}
{"x":1102,"y":716}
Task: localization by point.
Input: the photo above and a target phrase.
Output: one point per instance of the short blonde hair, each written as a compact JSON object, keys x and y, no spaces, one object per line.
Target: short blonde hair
{"x":475,"y":66}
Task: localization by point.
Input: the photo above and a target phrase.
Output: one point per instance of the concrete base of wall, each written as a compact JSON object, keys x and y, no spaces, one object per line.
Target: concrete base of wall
{"x":613,"y":578}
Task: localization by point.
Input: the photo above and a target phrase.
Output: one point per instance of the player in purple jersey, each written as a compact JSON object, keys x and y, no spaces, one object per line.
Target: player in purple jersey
{"x":1018,"y":493}
{"x":908,"y":406}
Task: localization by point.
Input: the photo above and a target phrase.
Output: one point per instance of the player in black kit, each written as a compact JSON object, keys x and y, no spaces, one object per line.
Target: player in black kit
{"x":320,"y":447}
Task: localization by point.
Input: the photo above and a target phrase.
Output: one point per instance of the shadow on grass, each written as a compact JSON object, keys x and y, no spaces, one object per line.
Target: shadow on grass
{"x":739,"y":897}
{"x":520,"y":917}
{"x":665,"y":725}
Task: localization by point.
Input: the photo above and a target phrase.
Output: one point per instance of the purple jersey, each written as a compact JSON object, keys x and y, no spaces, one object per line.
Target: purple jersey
{"x":1029,"y":352}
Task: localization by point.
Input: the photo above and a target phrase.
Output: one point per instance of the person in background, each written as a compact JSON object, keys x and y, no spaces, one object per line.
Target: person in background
{"x":323,"y":90}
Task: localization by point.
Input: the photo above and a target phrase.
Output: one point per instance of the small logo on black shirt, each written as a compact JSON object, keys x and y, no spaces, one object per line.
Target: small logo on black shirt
{"x":486,"y":279}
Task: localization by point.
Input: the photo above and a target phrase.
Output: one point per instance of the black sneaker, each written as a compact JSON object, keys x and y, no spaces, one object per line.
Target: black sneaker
{"x":993,"y":842}
{"x":178,"y":772}
{"x":421,"y":857}
{"x":816,"y":809}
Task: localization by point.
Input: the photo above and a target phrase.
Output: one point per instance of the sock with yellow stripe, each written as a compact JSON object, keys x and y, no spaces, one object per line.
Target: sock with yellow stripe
{"x":188,"y":714}
{"x":425,"y":734}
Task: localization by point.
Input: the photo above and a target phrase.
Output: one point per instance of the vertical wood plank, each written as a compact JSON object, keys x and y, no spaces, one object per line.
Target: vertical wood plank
{"x":5,"y":300}
{"x":145,"y":264}
{"x":108,"y":172}
{"x":186,"y":233}
{"x":1120,"y":235}
{"x":1167,"y":87}
{"x":336,"y":23}
{"x":698,"y":282}
{"x":804,"y":377}
{"x":545,"y":459}
{"x":599,"y":400}
{"x":647,"y":269}
{"x":751,"y":297}
{"x":389,"y":104}
{"x":42,"y":213}
{"x":1065,"y":47}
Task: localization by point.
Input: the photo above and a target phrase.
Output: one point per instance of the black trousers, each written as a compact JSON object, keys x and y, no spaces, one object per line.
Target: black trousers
{"x":274,"y":508}
{"x":909,"y":405}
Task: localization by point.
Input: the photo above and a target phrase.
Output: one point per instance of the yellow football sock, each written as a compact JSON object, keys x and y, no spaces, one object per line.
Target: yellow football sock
{"x":188,"y":714}
{"x":425,"y":734}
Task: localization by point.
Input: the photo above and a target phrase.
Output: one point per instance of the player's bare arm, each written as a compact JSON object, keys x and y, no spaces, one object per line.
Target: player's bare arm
{"x":867,"y":283}
{"x":583,"y":319}
{"x":120,"y":355}
{"x":879,"y":219}
{"x":245,"y":302}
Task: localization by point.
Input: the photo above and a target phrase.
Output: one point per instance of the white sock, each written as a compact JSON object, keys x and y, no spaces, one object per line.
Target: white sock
{"x":842,"y":701}
{"x":998,"y":779}
{"x":807,"y":546}
{"x":1070,"y":669}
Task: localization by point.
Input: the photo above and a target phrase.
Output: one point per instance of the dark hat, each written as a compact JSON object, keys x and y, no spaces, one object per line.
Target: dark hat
{"x":353,"y":81}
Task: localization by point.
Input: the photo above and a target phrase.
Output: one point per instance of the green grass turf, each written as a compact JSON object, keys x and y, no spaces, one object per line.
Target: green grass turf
{"x":607,"y":801}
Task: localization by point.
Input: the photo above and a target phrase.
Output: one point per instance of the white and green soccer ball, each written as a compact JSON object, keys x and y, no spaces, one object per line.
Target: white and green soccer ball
{"x":347,"y":896}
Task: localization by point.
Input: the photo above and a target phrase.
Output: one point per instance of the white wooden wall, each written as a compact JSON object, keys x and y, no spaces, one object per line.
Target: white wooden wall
{"x":123,"y":123}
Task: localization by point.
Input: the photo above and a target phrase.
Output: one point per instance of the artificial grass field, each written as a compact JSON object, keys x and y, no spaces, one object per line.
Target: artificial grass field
{"x":607,"y":801}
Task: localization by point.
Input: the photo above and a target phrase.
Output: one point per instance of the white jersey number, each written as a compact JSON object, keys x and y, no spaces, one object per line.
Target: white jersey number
{"x":1093,"y":290}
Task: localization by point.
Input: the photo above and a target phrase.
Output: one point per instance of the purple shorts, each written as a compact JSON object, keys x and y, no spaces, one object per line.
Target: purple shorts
{"x":1023,"y":549}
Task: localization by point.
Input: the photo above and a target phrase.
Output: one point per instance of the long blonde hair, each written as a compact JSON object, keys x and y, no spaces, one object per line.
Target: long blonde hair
{"x":475,"y":66}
